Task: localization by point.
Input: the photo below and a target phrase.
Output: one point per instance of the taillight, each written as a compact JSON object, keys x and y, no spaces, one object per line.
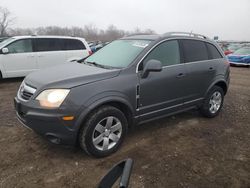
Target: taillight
{"x":90,"y":52}
{"x":227,"y":52}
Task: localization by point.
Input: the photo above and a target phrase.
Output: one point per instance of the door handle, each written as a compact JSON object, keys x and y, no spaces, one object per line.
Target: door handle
{"x":31,"y":56}
{"x":180,"y":75}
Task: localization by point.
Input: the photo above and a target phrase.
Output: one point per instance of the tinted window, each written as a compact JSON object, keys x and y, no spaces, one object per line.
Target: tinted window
{"x":48,"y":44}
{"x":213,"y":52}
{"x":194,"y":50}
{"x":20,"y":46}
{"x":73,"y":44}
{"x":166,"y":52}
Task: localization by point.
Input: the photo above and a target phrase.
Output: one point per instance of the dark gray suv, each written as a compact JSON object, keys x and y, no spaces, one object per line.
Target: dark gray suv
{"x":132,"y":80}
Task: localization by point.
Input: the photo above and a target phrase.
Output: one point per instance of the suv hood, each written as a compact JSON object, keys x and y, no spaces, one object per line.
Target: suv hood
{"x":68,"y":75}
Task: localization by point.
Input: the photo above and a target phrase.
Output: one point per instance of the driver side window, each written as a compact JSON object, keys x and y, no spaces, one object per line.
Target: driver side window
{"x":20,"y":46}
{"x":167,"y":53}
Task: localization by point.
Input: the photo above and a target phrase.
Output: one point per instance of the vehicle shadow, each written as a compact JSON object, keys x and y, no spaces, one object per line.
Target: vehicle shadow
{"x":138,"y":132}
{"x":11,"y":80}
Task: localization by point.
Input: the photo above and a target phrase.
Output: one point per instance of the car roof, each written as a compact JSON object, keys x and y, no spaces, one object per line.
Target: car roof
{"x":143,"y":37}
{"x":45,"y":36}
{"x":169,"y":35}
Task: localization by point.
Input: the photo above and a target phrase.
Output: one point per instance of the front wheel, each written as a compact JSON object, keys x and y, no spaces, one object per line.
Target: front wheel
{"x":103,"y":132}
{"x":213,"y":102}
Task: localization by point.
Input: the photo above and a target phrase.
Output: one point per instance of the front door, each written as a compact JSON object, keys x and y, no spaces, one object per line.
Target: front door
{"x":162,"y":92}
{"x":21,"y":60}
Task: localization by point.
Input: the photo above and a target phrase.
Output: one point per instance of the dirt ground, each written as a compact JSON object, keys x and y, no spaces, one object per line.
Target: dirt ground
{"x":185,"y":150}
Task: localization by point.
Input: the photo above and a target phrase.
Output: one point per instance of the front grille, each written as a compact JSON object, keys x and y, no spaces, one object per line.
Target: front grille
{"x":26,"y":95}
{"x":26,"y":92}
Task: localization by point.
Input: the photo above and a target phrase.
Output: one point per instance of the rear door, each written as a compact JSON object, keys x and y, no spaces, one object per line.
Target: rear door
{"x":200,"y":69}
{"x":50,"y":52}
{"x":21,"y":60}
{"x":163,"y":92}
{"x":75,"y":49}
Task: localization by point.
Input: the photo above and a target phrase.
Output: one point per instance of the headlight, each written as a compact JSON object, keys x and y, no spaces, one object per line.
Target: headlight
{"x":52,"y":98}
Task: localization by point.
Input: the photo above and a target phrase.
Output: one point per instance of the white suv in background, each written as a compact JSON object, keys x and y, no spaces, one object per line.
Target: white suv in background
{"x":21,"y":55}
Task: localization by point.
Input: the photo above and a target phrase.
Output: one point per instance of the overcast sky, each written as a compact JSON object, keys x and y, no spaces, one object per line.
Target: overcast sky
{"x":228,"y":19}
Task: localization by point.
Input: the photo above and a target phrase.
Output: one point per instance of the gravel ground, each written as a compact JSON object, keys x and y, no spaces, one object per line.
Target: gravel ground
{"x":185,"y":150}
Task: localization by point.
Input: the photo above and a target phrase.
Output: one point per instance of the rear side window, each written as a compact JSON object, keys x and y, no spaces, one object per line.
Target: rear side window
{"x":20,"y":46}
{"x":213,"y":52}
{"x":167,"y":52}
{"x":48,"y":44}
{"x":194,"y":50}
{"x":73,"y":44}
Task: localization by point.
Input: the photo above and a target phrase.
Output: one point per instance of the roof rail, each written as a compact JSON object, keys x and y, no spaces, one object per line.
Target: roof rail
{"x":185,"y":34}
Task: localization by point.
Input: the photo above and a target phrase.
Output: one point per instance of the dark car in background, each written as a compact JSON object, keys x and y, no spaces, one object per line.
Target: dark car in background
{"x":131,"y":81}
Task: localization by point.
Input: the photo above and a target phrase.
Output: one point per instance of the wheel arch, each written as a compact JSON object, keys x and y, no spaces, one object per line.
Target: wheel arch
{"x":118,"y":102}
{"x":221,"y":83}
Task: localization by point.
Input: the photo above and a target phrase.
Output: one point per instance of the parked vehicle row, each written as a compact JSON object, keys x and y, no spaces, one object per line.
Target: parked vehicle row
{"x":240,"y":57}
{"x":96,"y":45}
{"x":230,"y":47}
{"x":22,"y":55}
{"x":132,"y":80}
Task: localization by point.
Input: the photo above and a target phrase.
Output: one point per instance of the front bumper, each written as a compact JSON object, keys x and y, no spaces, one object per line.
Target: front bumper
{"x":47,"y":123}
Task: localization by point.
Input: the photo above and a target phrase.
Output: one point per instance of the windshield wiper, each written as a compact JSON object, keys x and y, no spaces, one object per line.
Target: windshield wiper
{"x":97,"y":65}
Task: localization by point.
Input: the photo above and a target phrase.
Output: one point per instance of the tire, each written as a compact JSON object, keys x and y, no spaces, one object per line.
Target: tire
{"x":213,"y":102}
{"x":103,"y":131}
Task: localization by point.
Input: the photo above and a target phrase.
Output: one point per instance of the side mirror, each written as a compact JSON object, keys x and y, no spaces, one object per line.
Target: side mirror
{"x":5,"y":50}
{"x":151,"y":66}
{"x":123,"y":169}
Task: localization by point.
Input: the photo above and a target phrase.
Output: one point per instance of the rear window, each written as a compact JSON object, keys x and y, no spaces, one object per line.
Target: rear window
{"x":48,"y":44}
{"x":213,"y":52}
{"x":194,"y":50}
{"x":73,"y":44}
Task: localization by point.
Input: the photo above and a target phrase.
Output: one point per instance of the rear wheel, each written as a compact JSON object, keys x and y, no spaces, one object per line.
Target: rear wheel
{"x":103,"y":132}
{"x":213,"y":102}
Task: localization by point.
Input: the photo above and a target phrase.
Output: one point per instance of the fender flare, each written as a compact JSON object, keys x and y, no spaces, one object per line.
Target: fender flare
{"x":85,"y":110}
{"x":215,"y":82}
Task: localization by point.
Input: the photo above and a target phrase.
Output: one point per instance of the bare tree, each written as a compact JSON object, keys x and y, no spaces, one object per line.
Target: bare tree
{"x":90,"y":32}
{"x":5,"y":20}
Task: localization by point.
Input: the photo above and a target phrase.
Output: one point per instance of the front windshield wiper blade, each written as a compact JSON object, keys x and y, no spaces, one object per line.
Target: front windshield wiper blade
{"x":97,"y":65}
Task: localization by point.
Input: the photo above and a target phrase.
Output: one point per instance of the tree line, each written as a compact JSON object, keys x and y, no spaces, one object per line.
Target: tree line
{"x":90,"y":32}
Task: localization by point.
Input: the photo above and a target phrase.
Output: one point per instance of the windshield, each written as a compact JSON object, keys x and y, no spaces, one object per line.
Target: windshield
{"x":5,"y":41}
{"x":118,"y":54}
{"x":242,"y":51}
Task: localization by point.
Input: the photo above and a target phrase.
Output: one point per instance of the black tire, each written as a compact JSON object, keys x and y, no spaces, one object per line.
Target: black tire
{"x":89,"y":129}
{"x":205,"y":109}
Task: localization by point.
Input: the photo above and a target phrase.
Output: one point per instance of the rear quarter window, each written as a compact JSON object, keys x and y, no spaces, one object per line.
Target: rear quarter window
{"x":194,"y":50}
{"x":213,"y":51}
{"x":73,"y":44}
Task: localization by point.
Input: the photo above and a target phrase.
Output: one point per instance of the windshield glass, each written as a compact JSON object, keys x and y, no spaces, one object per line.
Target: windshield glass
{"x":118,"y":54}
{"x":242,"y":51}
{"x":5,"y":41}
